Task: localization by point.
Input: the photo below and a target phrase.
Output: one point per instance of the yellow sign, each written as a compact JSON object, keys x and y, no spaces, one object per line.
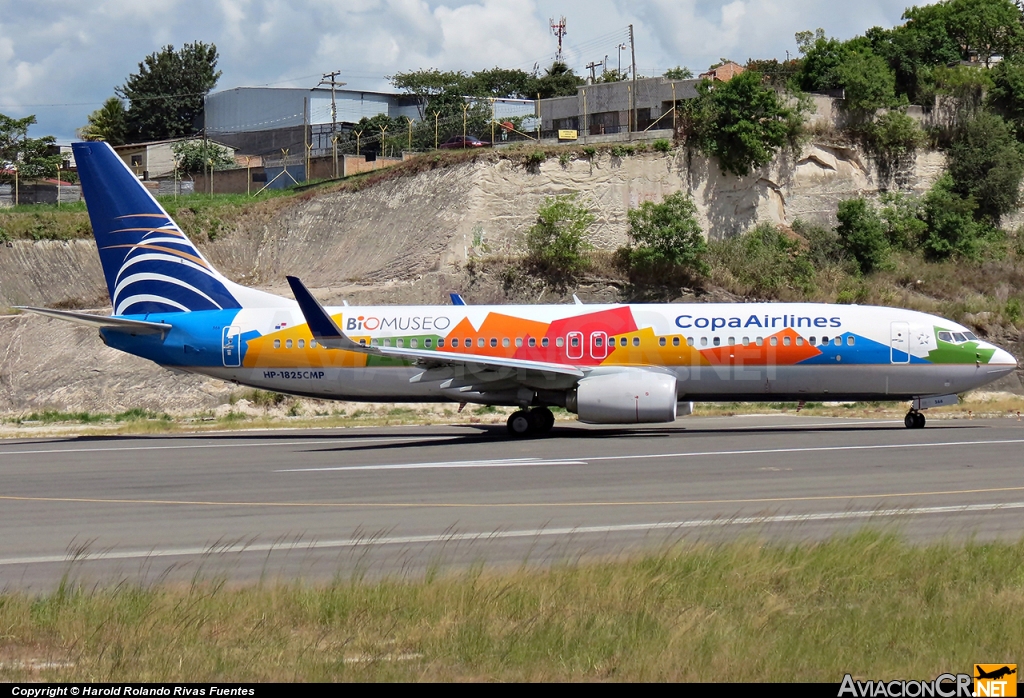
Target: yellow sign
{"x":995,"y":680}
{"x":567,"y":134}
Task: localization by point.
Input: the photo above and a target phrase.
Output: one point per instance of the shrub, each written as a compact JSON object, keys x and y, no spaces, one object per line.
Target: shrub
{"x":952,"y":228}
{"x":663,"y":145}
{"x":862,"y":234}
{"x":987,"y":163}
{"x":665,"y":238}
{"x":589,"y":150}
{"x":764,"y":261}
{"x":536,"y":158}
{"x":903,"y":217}
{"x":558,"y":239}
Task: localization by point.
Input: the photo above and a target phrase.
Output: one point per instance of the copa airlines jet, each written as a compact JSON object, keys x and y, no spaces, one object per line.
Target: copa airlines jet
{"x":609,"y":364}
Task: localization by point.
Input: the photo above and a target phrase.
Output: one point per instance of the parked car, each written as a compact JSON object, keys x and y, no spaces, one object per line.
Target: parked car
{"x":464,"y":142}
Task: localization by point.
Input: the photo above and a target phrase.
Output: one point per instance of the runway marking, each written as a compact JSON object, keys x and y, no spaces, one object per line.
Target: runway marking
{"x":262,"y":444}
{"x":505,"y":505}
{"x":504,"y":535}
{"x":585,"y":460}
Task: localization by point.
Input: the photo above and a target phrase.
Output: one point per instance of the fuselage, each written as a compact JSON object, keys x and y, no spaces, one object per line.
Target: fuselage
{"x":735,"y":351}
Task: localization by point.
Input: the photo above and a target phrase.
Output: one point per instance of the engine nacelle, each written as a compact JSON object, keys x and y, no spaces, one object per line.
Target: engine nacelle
{"x":629,"y":396}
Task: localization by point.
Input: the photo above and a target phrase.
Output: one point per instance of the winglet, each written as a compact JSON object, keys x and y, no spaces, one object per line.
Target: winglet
{"x":321,"y":324}
{"x":457,"y":299}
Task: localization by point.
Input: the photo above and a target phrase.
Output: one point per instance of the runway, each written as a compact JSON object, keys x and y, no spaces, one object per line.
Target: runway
{"x":319,"y":504}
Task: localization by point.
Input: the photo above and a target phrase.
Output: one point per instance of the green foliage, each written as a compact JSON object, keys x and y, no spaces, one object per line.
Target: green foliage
{"x":821,"y":63}
{"x":108,"y":123}
{"x":621,"y":151}
{"x":665,"y":239}
{"x":892,"y":140}
{"x":663,"y":145}
{"x":742,"y":122}
{"x":558,"y":81}
{"x":868,"y":82}
{"x":536,"y":158}
{"x":764,"y":261}
{"x":678,"y":73}
{"x":29,"y":155}
{"x":952,"y":228}
{"x":862,"y":234}
{"x":961,"y":90}
{"x":165,"y":98}
{"x":903,"y":217}
{"x":1006,"y":96}
{"x":589,"y":150}
{"x":986,"y":163}
{"x":558,"y":240}
{"x":195,"y":156}
{"x":985,"y":28}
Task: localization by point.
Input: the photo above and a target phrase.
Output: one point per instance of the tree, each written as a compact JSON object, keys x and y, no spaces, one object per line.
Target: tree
{"x":862,"y":234}
{"x":1006,"y":97}
{"x":558,"y":81}
{"x":428,"y":84}
{"x":952,"y":228}
{"x":822,"y":59}
{"x":985,"y":28}
{"x":197,"y":155}
{"x":743,"y":122}
{"x":867,"y":81}
{"x":558,"y":239}
{"x":31,"y":156}
{"x":678,"y":73}
{"x":986,"y":164}
{"x":165,"y":98}
{"x":665,"y":238}
{"x":108,"y":123}
{"x":499,"y":82}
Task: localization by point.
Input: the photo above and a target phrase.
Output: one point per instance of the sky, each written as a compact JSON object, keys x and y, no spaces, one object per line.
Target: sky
{"x":61,"y":60}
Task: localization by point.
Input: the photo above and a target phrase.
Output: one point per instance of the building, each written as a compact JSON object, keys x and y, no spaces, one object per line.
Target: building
{"x":606,"y":107}
{"x":155,"y":159}
{"x":267,"y":120}
{"x":723,"y":73}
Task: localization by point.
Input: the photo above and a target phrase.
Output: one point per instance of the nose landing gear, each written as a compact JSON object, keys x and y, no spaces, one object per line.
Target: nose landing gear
{"x":533,"y":422}
{"x":914,"y":420}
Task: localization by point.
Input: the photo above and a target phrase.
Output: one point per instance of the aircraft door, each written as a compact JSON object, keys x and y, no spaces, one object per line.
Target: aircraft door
{"x":598,"y":345}
{"x":574,"y":345}
{"x":899,"y":343}
{"x":231,"y":346}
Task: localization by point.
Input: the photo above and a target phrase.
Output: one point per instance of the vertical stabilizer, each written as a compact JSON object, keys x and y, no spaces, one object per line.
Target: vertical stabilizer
{"x":149,"y":264}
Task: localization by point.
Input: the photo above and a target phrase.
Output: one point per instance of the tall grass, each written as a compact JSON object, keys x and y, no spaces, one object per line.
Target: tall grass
{"x":868,"y":604}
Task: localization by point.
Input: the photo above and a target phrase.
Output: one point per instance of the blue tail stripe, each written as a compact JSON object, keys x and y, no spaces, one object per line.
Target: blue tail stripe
{"x":127,"y":222}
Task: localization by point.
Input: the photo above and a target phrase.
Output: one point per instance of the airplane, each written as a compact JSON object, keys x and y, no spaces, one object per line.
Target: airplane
{"x":608,"y":364}
{"x":995,"y":674}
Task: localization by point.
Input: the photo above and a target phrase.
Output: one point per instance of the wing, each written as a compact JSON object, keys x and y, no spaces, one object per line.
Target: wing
{"x":453,"y":370}
{"x":102,"y":322}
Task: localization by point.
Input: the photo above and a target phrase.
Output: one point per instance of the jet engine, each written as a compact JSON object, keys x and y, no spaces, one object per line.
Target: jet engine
{"x":629,"y":396}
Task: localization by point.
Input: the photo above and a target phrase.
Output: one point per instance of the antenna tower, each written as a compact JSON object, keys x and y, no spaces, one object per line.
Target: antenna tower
{"x":559,"y":30}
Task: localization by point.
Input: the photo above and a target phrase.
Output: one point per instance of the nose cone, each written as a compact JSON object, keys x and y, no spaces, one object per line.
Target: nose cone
{"x":1002,"y":362}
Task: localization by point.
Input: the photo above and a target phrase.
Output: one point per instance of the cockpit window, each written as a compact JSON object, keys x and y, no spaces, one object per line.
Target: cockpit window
{"x":959,"y":337}
{"x":971,"y":336}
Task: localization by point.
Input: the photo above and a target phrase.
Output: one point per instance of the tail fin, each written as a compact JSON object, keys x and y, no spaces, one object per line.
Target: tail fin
{"x":149,"y":264}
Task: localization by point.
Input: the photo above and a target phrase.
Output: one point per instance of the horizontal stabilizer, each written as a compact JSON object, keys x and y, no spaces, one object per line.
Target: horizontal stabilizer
{"x":103,"y":322}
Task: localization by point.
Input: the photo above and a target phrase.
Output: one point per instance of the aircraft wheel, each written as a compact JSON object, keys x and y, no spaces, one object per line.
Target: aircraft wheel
{"x":543,"y":419}
{"x":919,"y":421}
{"x":909,"y":420}
{"x":519,"y":423}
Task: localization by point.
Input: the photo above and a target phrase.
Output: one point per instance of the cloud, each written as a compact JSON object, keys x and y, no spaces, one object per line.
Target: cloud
{"x":60,"y":61}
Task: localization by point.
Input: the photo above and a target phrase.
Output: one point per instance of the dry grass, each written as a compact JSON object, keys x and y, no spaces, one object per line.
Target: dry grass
{"x":866,"y":604}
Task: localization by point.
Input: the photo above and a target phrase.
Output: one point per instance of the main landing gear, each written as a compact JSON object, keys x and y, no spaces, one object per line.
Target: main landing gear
{"x":914,"y":420}
{"x":537,"y":421}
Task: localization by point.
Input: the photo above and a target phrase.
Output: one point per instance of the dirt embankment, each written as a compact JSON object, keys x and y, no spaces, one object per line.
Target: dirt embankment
{"x":403,"y":240}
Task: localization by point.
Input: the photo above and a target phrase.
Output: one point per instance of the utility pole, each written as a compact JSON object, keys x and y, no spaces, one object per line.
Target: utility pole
{"x":632,"y":51}
{"x":620,"y":47}
{"x":328,"y":79}
{"x":591,"y":67}
{"x":559,"y":30}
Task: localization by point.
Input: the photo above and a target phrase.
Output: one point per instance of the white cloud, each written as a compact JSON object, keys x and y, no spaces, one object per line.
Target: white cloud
{"x":67,"y":54}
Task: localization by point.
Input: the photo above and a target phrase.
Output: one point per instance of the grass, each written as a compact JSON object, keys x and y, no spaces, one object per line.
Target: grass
{"x":866,"y":603}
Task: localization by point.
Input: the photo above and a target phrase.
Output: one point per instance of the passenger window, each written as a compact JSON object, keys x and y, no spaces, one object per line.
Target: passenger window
{"x":636,"y":341}
{"x":455,"y":342}
{"x":277,"y":343}
{"x":288,"y":344}
{"x":799,"y":341}
{"x":623,"y":342}
{"x":812,"y":341}
{"x":662,"y":341}
{"x":703,"y":341}
{"x":399,"y":342}
{"x":302,"y":344}
{"x":786,"y":341}
{"x":467,"y":342}
{"x":559,"y":341}
{"x":598,"y":341}
{"x":387,"y":342}
{"x":675,"y":341}
{"x":362,"y":342}
{"x":746,"y":341}
{"x":480,"y":342}
{"x":440,"y":342}
{"x":532,"y":342}
{"x":824,"y":341}
{"x":373,"y":343}
{"x":717,"y":341}
{"x":759,"y":341}
{"x":774,"y":341}
{"x":837,"y":341}
{"x":519,"y":341}
{"x":312,"y":344}
{"x":494,"y":341}
{"x":428,"y":342}
{"x":544,"y":342}
{"x":413,"y":343}
{"x":575,"y":341}
{"x":849,"y":340}
{"x":504,"y":341}
{"x":732,"y":341}
{"x":689,"y":341}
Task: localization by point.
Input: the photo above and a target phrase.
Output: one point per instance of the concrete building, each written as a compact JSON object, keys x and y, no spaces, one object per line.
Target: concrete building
{"x":155,"y":159}
{"x":606,"y":107}
{"x":723,"y":73}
